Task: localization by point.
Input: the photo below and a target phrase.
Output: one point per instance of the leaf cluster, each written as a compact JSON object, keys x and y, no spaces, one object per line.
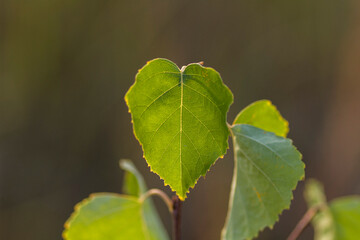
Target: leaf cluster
{"x":179,"y":117}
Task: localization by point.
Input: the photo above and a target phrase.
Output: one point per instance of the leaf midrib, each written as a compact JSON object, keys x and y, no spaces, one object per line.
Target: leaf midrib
{"x":181,"y":121}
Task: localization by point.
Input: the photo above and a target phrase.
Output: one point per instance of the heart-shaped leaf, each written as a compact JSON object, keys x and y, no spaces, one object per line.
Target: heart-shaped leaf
{"x":179,"y":118}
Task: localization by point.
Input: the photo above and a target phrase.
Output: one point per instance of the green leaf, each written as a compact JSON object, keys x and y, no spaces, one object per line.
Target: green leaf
{"x":263,"y":114}
{"x":134,"y":183}
{"x":116,"y":217}
{"x":137,"y":185}
{"x":267,"y":169}
{"x":314,"y":193}
{"x":337,"y":221}
{"x":130,"y":185}
{"x":323,"y":222}
{"x":107,"y":216}
{"x":179,"y":118}
{"x":346,"y":214}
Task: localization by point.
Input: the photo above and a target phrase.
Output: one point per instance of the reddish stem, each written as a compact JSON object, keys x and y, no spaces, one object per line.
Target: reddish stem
{"x":304,"y":221}
{"x":176,"y":217}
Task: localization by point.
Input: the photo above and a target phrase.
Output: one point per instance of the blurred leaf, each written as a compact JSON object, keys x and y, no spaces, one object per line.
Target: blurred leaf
{"x":323,"y":222}
{"x":134,"y":182}
{"x":130,"y":185}
{"x":179,"y":118}
{"x":338,"y":221}
{"x":267,"y":169}
{"x":114,"y":216}
{"x":346,"y":214}
{"x":314,"y":193}
{"x":263,"y":114}
{"x":107,"y":216}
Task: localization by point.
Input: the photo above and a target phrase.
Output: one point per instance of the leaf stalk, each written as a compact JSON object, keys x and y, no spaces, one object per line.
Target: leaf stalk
{"x":304,"y":221}
{"x":177,"y":204}
{"x":159,"y":193}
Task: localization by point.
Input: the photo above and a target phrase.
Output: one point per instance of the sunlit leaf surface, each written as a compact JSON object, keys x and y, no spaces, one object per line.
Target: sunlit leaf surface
{"x":264,"y":115}
{"x":179,"y":118}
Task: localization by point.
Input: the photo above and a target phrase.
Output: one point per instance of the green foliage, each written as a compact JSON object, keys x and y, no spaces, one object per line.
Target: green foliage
{"x":338,"y":220}
{"x":116,"y":217}
{"x":267,"y":169}
{"x":149,"y":211}
{"x":179,"y":118}
{"x":346,"y":215}
{"x":134,"y":183}
{"x":264,"y":115}
{"x":322,"y":222}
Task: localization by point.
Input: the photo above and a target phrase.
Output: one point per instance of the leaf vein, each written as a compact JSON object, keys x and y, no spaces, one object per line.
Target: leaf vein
{"x":247,"y":176}
{"x":147,"y":107}
{"x":263,"y":173}
{"x":212,"y":135}
{"x":206,"y":97}
{"x":269,"y":148}
{"x":195,"y":149}
{"x":156,"y":131}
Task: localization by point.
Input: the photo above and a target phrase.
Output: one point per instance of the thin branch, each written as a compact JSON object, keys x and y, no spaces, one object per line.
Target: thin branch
{"x":159,"y":193}
{"x":304,"y":221}
{"x":176,"y":217}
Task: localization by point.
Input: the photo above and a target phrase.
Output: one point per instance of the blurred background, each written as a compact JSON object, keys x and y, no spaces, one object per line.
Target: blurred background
{"x":65,"y":66}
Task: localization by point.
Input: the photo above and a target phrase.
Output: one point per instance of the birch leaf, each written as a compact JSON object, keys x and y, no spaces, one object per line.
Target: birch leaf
{"x":179,"y":118}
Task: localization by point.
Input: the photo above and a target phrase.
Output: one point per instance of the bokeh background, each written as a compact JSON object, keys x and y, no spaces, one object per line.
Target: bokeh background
{"x":65,"y":66}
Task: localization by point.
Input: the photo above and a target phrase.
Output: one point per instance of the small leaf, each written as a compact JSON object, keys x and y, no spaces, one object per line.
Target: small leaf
{"x":323,"y":222}
{"x":150,"y":214}
{"x":130,"y":185}
{"x":337,"y":221}
{"x":263,"y":114}
{"x":134,"y":183}
{"x":267,"y":169}
{"x":114,"y":216}
{"x":179,"y":118}
{"x":314,"y":193}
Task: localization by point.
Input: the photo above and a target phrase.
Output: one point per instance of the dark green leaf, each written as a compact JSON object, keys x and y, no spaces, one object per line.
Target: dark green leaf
{"x":267,"y":169}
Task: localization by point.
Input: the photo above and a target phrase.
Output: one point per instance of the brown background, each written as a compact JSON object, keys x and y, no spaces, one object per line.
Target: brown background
{"x":65,"y":66}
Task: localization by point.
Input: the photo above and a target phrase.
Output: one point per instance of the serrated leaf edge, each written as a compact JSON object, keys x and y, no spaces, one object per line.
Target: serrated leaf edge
{"x":182,"y":198}
{"x":223,"y":232}
{"x":268,"y":102}
{"x":85,"y":201}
